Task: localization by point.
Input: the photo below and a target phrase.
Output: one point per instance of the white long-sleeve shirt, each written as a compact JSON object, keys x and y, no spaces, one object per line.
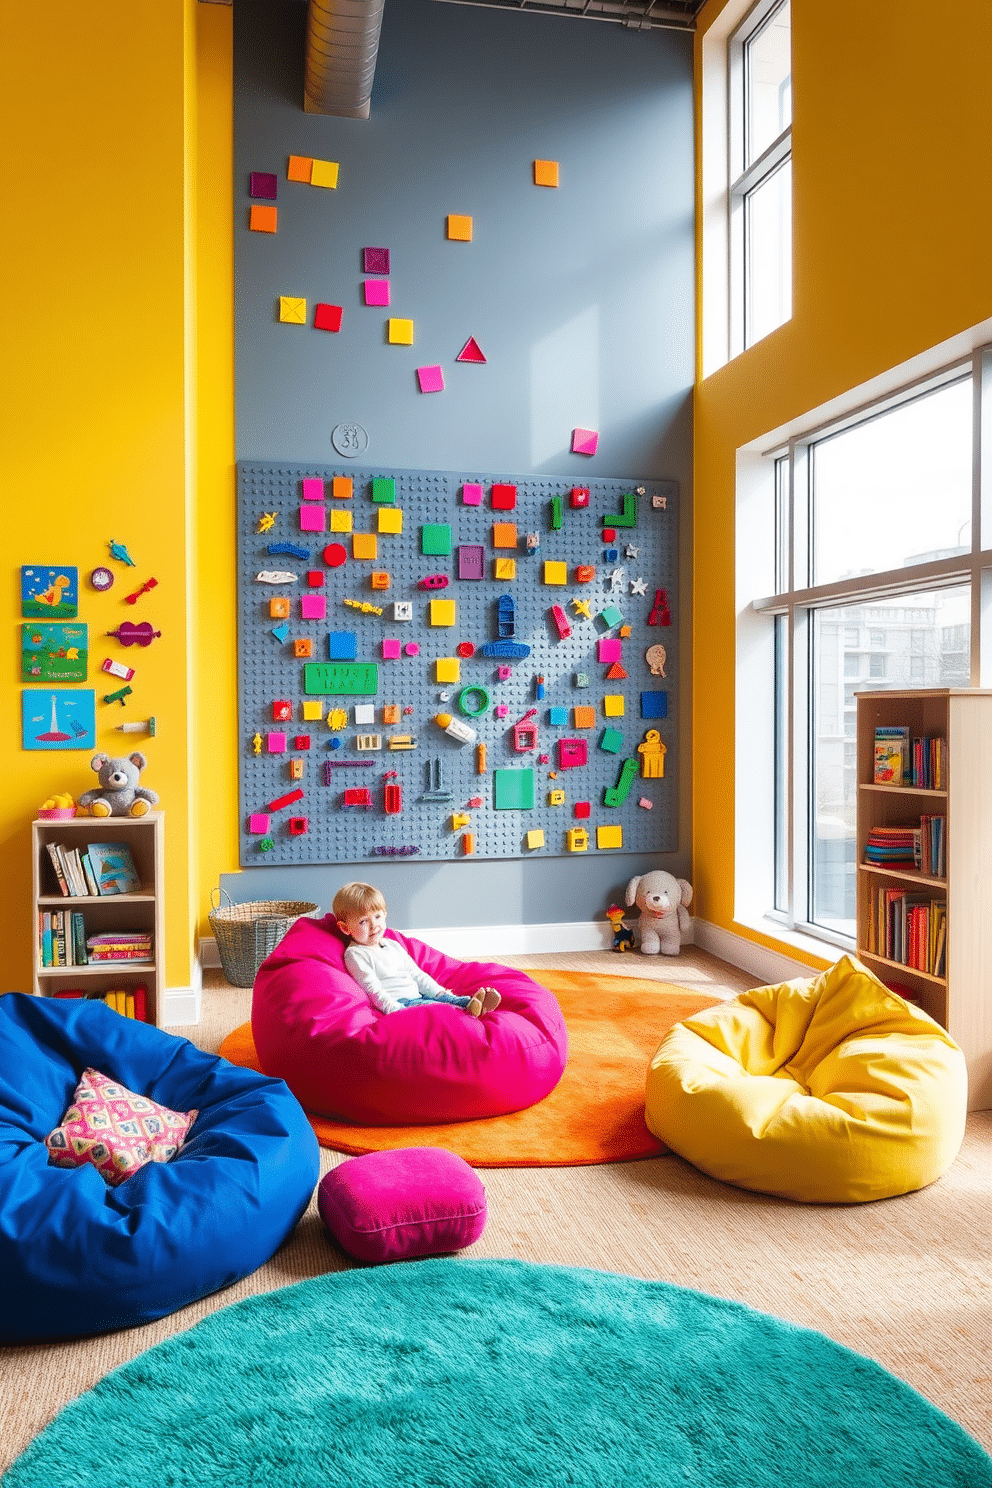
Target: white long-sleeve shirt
{"x":386,"y":973}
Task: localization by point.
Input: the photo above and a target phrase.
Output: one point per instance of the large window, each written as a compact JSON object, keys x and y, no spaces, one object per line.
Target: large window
{"x":760,"y":96}
{"x":881,"y":585}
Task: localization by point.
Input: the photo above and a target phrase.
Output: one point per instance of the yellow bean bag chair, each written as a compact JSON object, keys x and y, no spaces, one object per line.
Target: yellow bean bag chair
{"x":831,"y":1090}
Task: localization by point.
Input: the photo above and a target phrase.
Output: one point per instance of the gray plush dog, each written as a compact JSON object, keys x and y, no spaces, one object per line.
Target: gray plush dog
{"x":664,"y":920}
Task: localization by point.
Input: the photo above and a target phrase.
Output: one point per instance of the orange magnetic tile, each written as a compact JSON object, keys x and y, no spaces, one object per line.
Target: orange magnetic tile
{"x":545,"y":173}
{"x":300,"y":168}
{"x":583,"y":717}
{"x":459,"y":228}
{"x":364,"y":545}
{"x":505,"y":535}
{"x":342,"y":486}
{"x":263,"y":219}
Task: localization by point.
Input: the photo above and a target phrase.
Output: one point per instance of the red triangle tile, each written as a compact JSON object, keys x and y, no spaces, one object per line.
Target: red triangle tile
{"x":470,"y":352}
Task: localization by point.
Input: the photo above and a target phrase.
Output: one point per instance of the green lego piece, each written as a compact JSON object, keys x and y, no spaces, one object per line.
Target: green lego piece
{"x":383,"y":490}
{"x":513,"y":789}
{"x":557,"y":514}
{"x":629,"y":516}
{"x":360,"y":678}
{"x":615,"y":795}
{"x":435,"y":539}
{"x":611,"y":742}
{"x":609,"y":617}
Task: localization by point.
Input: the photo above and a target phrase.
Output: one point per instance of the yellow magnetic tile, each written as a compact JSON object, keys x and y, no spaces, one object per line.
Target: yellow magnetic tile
{"x":340,"y":521}
{"x":313,"y":710}
{"x":583,"y":717}
{"x":577,"y":839}
{"x":442,"y":612}
{"x":278,"y":609}
{"x":325,"y":173}
{"x":448,"y":669}
{"x":535,"y":838}
{"x":364,"y":545}
{"x":504,"y":534}
{"x":400,"y":332}
{"x":609,"y":836}
{"x":545,"y":173}
{"x":613,"y":705}
{"x":292,"y":310}
{"x":263,"y":219}
{"x":299,"y":168}
{"x":555,"y":573}
{"x":505,"y":568}
{"x":337,"y":718}
{"x":459,"y":228}
{"x":390,"y":519}
{"x":342,"y":486}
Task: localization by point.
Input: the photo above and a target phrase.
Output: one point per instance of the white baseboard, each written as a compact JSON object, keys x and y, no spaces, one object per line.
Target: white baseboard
{"x":181,"y":1005}
{"x":747,"y":955}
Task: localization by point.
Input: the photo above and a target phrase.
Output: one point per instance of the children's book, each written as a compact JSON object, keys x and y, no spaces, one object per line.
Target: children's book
{"x":891,"y":756}
{"x":113,"y":868}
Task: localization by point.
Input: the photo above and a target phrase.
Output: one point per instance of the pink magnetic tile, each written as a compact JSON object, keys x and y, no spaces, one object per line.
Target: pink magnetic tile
{"x":431,"y":379}
{"x":391,"y":650}
{"x":264,"y":186}
{"x":275,"y":743}
{"x":259,"y":823}
{"x":412,"y":648}
{"x":503,"y":673}
{"x":376,"y":291}
{"x":312,"y":488}
{"x":609,"y":649}
{"x":313,"y":606}
{"x":584,"y":441}
{"x":311,"y":519}
{"x":471,"y":494}
{"x":375,"y":260}
{"x":502,"y":709}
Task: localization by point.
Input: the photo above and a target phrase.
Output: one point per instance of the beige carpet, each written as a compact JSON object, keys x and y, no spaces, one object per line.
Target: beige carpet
{"x":907,"y":1282}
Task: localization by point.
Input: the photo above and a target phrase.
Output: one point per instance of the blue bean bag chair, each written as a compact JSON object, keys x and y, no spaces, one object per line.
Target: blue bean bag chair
{"x":79,"y":1257}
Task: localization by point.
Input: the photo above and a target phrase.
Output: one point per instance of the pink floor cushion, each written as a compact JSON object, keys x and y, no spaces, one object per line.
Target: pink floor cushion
{"x":316,"y":1029}
{"x":399,"y":1205}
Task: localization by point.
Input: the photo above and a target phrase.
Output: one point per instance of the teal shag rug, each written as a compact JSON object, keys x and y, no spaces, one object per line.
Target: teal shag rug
{"x":498,"y":1374}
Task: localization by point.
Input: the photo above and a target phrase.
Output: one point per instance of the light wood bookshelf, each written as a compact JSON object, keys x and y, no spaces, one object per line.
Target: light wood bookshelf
{"x":961,"y":999}
{"x":145,"y":910}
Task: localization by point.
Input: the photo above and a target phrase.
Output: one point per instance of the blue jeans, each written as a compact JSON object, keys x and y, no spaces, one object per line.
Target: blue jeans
{"x":434,"y":997}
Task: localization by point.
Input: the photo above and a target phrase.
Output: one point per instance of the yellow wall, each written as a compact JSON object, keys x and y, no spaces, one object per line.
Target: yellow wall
{"x":892,"y":221}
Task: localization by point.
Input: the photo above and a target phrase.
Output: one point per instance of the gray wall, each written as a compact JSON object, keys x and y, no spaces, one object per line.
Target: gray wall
{"x":581,"y":299}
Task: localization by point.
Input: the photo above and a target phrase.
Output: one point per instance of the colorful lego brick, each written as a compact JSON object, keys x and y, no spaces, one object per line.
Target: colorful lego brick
{"x":579,"y":496}
{"x":435,"y":539}
{"x":299,"y":826}
{"x":365,"y":743}
{"x":391,"y":650}
{"x":264,"y":185}
{"x":581,"y":810}
{"x":259,"y":823}
{"x":441,"y":612}
{"x":263,"y":219}
{"x":608,"y":650}
{"x":292,"y":310}
{"x":611,"y":741}
{"x":431,"y":379}
{"x":312,"y":517}
{"x":503,"y":497}
{"x":581,"y":679}
{"x":572,"y":753}
{"x":296,"y":769}
{"x":471,"y":561}
{"x":545,"y":173}
{"x":403,"y":609}
{"x":534,"y":838}
{"x":342,"y":487}
{"x":364,"y":546}
{"x":341,"y":520}
{"x":513,"y":789}
{"x":611,"y":836}
{"x":399,"y":332}
{"x":504,"y":568}
{"x":556,"y":798}
{"x":459,"y":228}
{"x":613,"y":705}
{"x":555,"y":573}
{"x":654,"y":704}
{"x":279,"y":608}
{"x":324,"y":173}
{"x":313,"y":607}
{"x":356,"y":678}
{"x":447,"y":669}
{"x":577,"y":839}
{"x":468,"y":844}
{"x":337,"y":718}
{"x":376,"y":291}
{"x":583,"y":718}
{"x":299,"y":168}
{"x":327,"y":317}
{"x":558,"y":717}
{"x":383,"y":490}
{"x":624,"y":632}
{"x":391,"y":713}
{"x":471,"y":494}
{"x":390,"y":520}
{"x":616,"y":673}
{"x":505,"y":535}
{"x":557,"y":514}
{"x":301,"y":741}
{"x":609,"y":617}
{"x":364,"y":714}
{"x":311,"y":710}
{"x":379,"y":579}
{"x":342,"y":645}
{"x":275,"y":743}
{"x":312,"y":488}
{"x":303,"y":648}
{"x":282,"y":709}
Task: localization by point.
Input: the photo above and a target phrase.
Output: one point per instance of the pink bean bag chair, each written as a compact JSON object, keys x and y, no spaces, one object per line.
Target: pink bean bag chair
{"x":316,"y":1029}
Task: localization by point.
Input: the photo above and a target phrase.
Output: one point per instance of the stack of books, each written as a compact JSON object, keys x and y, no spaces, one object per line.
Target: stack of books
{"x":61,"y":938}
{"x":910,"y":930}
{"x":131,"y":1001}
{"x":120,"y":945}
{"x":101,"y":868}
{"x":923,"y":847}
{"x":929,"y":763}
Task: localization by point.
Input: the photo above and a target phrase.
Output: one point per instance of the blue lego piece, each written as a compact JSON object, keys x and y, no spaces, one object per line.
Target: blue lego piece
{"x":654,"y":704}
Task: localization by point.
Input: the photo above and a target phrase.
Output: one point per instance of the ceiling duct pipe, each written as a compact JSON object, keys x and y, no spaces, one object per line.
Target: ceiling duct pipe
{"x":341,"y":49}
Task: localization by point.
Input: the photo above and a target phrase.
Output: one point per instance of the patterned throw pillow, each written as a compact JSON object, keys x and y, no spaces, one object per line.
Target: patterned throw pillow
{"x":115,"y":1130}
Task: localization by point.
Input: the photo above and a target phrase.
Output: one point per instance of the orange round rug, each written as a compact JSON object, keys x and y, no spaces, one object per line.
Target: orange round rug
{"x":594,"y":1115}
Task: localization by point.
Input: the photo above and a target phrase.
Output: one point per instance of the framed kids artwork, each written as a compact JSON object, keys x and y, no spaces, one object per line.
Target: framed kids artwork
{"x":53,"y":653}
{"x":53,"y":718}
{"x":49,"y":593}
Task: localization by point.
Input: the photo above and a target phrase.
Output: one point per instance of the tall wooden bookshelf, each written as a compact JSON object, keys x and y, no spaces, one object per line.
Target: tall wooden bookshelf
{"x":961,"y":998}
{"x":144,"y":910}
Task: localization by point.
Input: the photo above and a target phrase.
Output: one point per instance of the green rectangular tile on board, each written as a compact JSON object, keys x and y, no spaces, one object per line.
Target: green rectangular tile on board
{"x":513,"y":790}
{"x":359,"y":678}
{"x":435,"y":539}
{"x":383,"y":489}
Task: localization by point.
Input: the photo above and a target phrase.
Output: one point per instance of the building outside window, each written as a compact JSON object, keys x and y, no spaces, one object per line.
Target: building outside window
{"x":760,"y":99}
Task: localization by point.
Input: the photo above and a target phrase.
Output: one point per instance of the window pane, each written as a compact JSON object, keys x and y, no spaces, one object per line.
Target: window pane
{"x":781,"y":808}
{"x":928,"y":638}
{"x":768,"y":254}
{"x":901,"y":482}
{"x":768,"y":82}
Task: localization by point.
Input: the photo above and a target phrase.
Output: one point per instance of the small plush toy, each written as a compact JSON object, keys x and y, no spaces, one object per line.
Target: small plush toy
{"x":623,"y":936}
{"x":664,"y":920}
{"x":119,"y":793}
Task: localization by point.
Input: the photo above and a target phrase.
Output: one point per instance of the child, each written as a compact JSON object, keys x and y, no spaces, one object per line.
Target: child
{"x":382,"y":967}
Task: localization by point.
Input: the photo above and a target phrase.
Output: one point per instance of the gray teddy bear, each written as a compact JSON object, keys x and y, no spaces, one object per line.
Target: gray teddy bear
{"x":119,"y":793}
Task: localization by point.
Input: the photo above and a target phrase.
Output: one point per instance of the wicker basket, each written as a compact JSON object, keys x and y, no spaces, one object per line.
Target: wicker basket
{"x":247,"y":933}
